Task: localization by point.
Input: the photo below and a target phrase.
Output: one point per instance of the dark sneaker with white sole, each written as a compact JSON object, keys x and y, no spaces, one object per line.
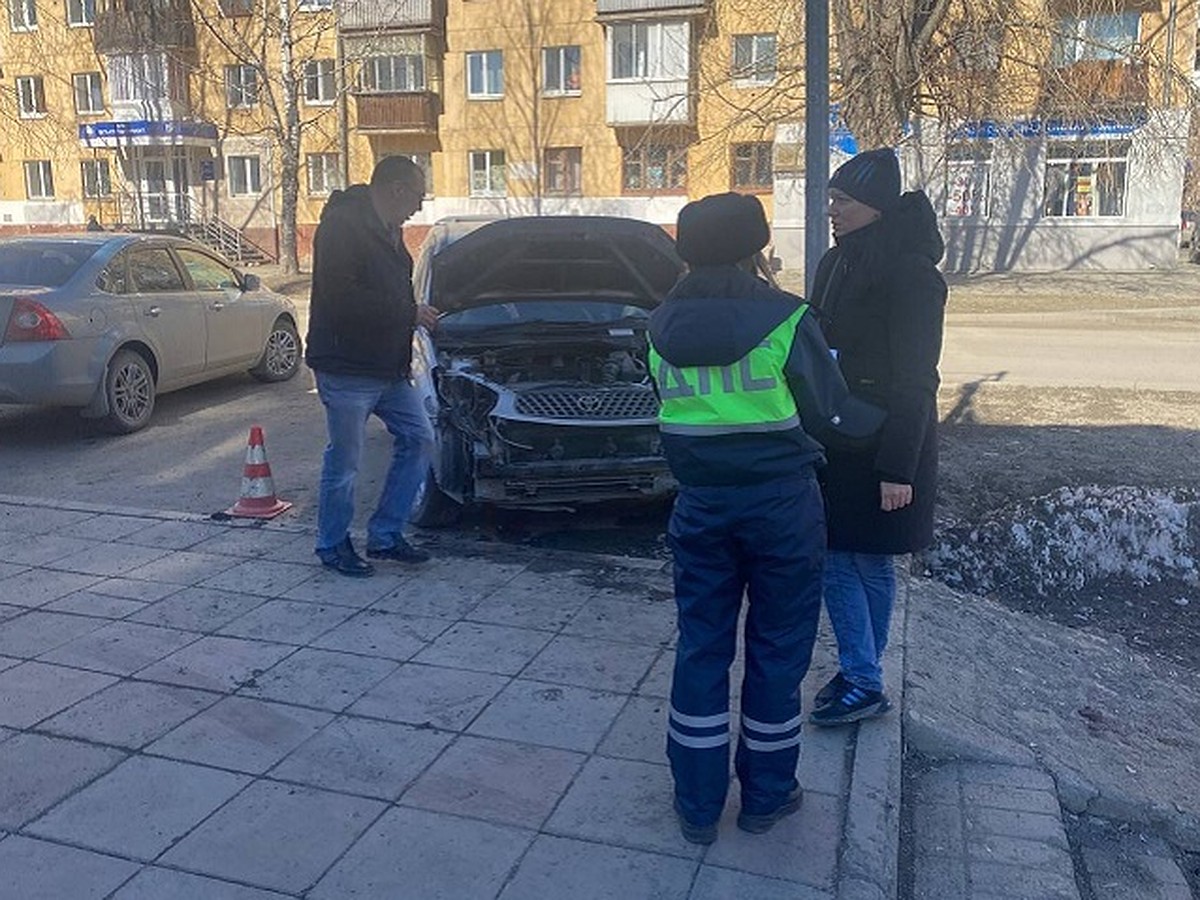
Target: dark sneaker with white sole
{"x":695,"y":834}
{"x":401,"y":551}
{"x":833,"y":687}
{"x":852,"y":704}
{"x":760,"y":824}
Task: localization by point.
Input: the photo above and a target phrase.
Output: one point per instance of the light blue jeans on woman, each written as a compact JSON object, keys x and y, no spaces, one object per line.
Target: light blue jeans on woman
{"x":860,"y":590}
{"x":349,"y":401}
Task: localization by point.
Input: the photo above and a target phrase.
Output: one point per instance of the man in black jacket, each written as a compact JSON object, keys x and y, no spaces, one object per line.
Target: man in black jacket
{"x":361,"y":322}
{"x":745,"y":380}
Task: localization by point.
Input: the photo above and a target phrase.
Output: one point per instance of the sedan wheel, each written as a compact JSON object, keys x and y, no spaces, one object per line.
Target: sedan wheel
{"x":281,"y":356}
{"x":129,"y":389}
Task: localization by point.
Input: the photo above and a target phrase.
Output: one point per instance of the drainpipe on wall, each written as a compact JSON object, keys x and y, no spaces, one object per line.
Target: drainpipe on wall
{"x":816,"y":135}
{"x":1169,"y":78}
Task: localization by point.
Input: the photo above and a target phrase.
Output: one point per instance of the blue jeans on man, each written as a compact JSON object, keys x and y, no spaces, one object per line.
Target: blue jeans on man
{"x":860,"y":591}
{"x":349,"y":401}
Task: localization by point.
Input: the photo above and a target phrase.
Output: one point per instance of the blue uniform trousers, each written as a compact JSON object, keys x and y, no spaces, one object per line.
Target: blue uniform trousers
{"x":767,"y":542}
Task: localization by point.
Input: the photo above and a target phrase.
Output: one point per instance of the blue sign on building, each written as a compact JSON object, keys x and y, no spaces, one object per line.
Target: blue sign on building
{"x":146,"y":132}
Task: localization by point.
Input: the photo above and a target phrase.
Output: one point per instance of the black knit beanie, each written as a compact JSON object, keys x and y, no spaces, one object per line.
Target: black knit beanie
{"x":872,"y":178}
{"x":721,"y":229}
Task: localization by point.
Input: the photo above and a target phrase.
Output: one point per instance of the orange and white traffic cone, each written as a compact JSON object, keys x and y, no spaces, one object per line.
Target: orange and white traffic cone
{"x":258,"y":500}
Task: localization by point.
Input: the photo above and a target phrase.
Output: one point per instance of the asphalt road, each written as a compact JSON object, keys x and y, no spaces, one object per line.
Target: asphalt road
{"x":190,"y":457}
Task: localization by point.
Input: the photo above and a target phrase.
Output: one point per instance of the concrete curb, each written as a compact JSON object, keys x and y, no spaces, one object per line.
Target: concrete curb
{"x":869,"y":865}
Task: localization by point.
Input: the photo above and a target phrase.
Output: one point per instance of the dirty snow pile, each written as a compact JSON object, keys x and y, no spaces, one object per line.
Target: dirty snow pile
{"x":1063,"y":540}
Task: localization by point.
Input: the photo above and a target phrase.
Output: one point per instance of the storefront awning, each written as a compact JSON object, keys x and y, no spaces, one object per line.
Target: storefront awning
{"x":162,"y":133}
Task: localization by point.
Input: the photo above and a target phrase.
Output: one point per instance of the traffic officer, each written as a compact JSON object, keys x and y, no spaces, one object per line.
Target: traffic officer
{"x":745,"y":379}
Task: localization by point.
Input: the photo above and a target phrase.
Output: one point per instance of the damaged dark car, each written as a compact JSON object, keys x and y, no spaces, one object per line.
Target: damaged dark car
{"x":536,"y":379}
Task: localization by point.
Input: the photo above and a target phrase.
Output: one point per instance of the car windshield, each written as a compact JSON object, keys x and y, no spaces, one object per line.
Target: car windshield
{"x":42,"y":263}
{"x":559,"y":312}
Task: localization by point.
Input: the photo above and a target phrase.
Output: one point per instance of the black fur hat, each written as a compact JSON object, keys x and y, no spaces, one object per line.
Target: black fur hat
{"x":721,"y":229}
{"x":872,"y":178}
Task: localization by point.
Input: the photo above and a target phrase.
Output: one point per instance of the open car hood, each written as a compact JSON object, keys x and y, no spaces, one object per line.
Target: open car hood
{"x":569,"y":256}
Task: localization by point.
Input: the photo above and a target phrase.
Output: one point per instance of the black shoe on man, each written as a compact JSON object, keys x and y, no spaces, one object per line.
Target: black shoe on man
{"x":343,"y":559}
{"x":760,"y":824}
{"x":400,"y":551}
{"x":695,"y":834}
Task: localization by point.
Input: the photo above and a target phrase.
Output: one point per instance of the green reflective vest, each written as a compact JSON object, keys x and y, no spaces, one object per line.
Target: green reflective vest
{"x":751,"y":395}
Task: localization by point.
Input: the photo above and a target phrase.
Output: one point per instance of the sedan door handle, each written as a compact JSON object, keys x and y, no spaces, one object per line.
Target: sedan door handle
{"x":153,"y":311}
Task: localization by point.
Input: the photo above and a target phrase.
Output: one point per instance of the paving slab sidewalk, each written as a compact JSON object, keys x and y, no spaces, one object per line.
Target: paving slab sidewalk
{"x":197,"y":709}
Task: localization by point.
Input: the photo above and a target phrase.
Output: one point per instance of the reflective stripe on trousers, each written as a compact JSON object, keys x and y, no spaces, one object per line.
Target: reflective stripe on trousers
{"x":766,"y":542}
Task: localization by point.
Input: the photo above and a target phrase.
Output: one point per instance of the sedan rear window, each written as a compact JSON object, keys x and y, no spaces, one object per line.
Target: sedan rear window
{"x":42,"y":263}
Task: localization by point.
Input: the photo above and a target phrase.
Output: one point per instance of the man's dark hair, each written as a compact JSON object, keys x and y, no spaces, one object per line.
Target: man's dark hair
{"x":391,"y":169}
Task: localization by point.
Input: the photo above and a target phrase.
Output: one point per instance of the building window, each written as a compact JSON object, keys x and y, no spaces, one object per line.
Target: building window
{"x":752,"y":165}
{"x":1080,"y":38}
{"x":977,"y":49}
{"x":487,"y":173}
{"x":22,"y":15}
{"x":1086,"y":179}
{"x":31,"y":96}
{"x":324,"y":173}
{"x":241,"y":86}
{"x":319,"y":84}
{"x":233,"y":8}
{"x":81,"y":12}
{"x":95,"y":178}
{"x":147,"y":76}
{"x":754,"y":60}
{"x":562,"y":171}
{"x":39,"y":179}
{"x":654,"y":50}
{"x":654,"y":167}
{"x":393,"y":74}
{"x":313,"y":5}
{"x":245,"y":177}
{"x":89,"y":97}
{"x":485,"y":74}
{"x":968,"y":179}
{"x":424,"y":162}
{"x":560,"y":70}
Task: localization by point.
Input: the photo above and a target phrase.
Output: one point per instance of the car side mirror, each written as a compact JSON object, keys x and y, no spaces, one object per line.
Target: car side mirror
{"x":251,"y":282}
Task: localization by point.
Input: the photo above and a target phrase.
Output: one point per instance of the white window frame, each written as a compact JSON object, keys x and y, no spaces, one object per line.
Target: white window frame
{"x":557,"y":63}
{"x":568,"y":160}
{"x":659,"y":51}
{"x":1079,"y":40}
{"x":395,"y":73}
{"x":752,"y":150}
{"x":31,"y":96}
{"x":98,"y":183}
{"x":243,"y":174}
{"x":241,"y":86}
{"x":324,"y":171}
{"x":675,"y":158}
{"x":320,"y":84}
{"x":968,"y":180}
{"x":91,"y":86}
{"x":758,"y":50}
{"x":146,"y":76}
{"x":39,"y":179}
{"x":1085,"y":160}
{"x":488,"y":173}
{"x":313,"y":5}
{"x":22,"y":15}
{"x":487,"y":81}
{"x":81,"y":13}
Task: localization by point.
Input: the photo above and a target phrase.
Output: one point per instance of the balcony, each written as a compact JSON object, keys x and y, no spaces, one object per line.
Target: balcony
{"x":137,"y":26}
{"x":615,"y":9}
{"x":1096,"y":84}
{"x":377,"y":15}
{"x":658,"y":102}
{"x":414,"y":112}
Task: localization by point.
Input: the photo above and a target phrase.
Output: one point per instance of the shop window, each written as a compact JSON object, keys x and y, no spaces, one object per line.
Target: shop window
{"x":39,"y":179}
{"x":752,"y":166}
{"x":1086,"y":179}
{"x":968,"y":179}
{"x":485,"y":74}
{"x":245,"y":176}
{"x":560,"y":71}
{"x":488,"y":176}
{"x":754,"y":58}
{"x":562,"y":171}
{"x":653,"y":167}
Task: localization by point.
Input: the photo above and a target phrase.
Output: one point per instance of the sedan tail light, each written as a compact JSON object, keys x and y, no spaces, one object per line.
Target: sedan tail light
{"x":30,"y":321}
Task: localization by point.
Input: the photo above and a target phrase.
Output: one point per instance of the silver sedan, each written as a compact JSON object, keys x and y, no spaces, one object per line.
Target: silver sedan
{"x":106,"y":322}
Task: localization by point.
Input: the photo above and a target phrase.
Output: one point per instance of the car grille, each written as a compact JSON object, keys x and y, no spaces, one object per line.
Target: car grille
{"x":616,"y":403}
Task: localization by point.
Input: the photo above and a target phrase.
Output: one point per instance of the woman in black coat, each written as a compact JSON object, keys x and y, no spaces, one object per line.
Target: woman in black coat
{"x":881,"y":302}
